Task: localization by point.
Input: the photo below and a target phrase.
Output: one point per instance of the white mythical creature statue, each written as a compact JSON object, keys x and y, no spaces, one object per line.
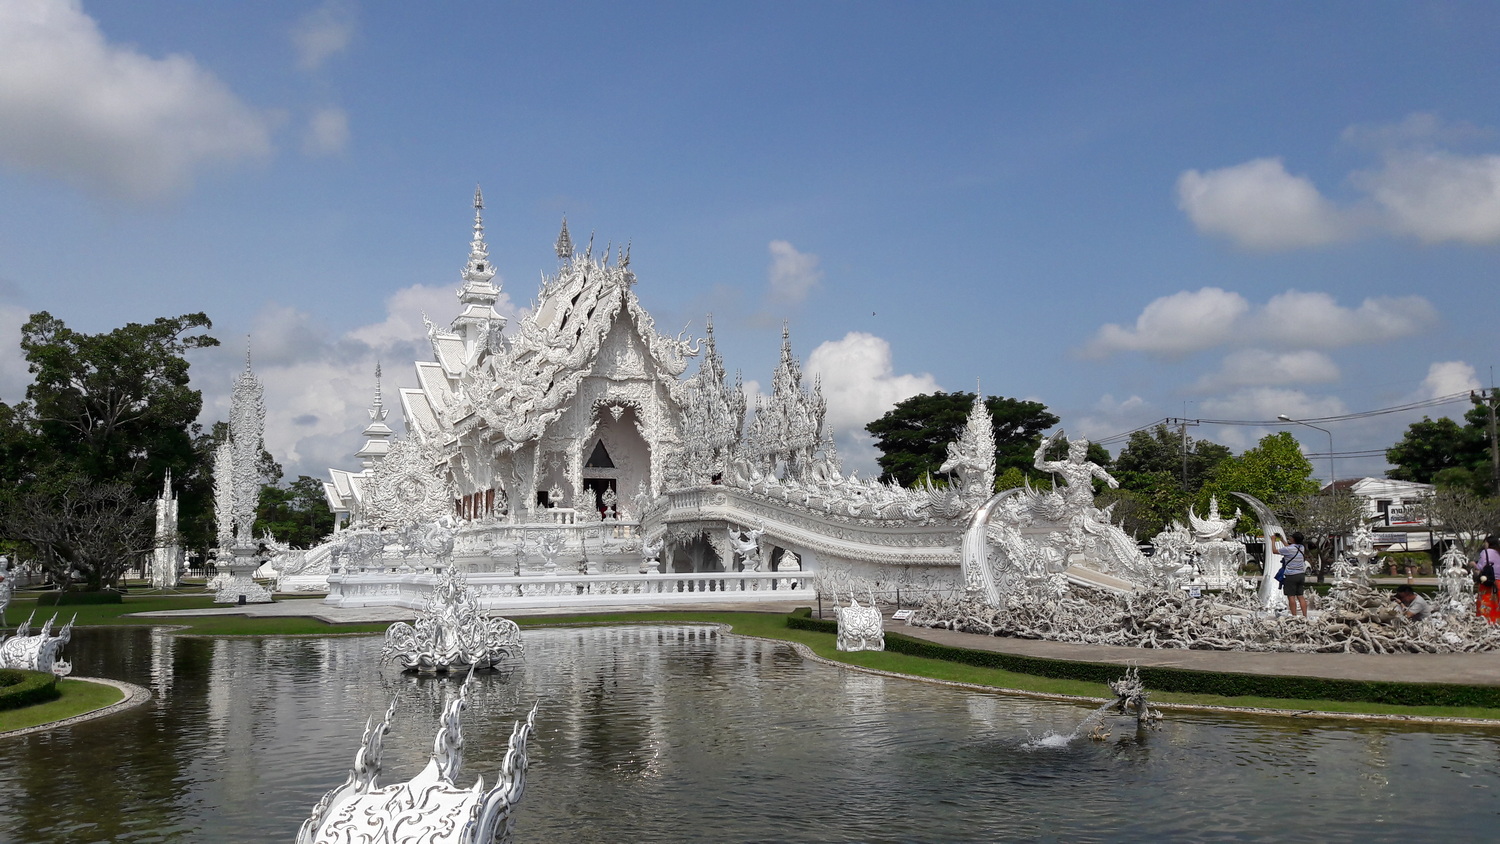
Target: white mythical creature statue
{"x":37,"y":652}
{"x":746,"y":546}
{"x":430,"y":808}
{"x":651,"y":552}
{"x":451,"y":633}
{"x":1213,"y":528}
{"x":972,"y":455}
{"x":1220,"y":557}
{"x":860,"y":628}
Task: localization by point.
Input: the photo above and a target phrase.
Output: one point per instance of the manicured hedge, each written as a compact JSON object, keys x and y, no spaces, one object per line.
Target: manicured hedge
{"x":23,"y":688}
{"x":1185,"y":680}
{"x":53,"y":599}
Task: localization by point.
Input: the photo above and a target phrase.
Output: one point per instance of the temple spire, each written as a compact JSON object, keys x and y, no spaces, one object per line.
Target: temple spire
{"x":564,"y":242}
{"x":377,"y":434}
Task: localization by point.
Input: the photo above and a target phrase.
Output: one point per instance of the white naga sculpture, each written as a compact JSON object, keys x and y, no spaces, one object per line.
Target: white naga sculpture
{"x":247,"y":425}
{"x":37,"y":652}
{"x":166,"y":558}
{"x":451,"y":633}
{"x":860,"y":628}
{"x":430,"y":808}
{"x":746,"y":546}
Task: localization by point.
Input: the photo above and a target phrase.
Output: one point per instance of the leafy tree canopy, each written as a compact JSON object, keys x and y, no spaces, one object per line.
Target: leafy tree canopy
{"x":1274,"y":470}
{"x":296,"y":514}
{"x":913,"y":437}
{"x":1161,"y":451}
{"x":1432,"y":446}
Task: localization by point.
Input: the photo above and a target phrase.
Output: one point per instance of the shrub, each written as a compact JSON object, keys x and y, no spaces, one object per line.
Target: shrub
{"x":23,"y":688}
{"x":54,"y":599}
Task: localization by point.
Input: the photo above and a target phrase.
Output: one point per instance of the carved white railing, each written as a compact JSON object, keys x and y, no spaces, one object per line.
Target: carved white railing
{"x":501,"y":591}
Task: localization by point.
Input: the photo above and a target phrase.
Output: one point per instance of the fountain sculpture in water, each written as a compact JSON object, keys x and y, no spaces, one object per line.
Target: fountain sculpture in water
{"x":451,"y":633}
{"x":37,"y":652}
{"x":429,"y":808}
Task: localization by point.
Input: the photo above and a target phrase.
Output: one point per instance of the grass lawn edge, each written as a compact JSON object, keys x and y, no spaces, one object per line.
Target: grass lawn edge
{"x":82,"y":699}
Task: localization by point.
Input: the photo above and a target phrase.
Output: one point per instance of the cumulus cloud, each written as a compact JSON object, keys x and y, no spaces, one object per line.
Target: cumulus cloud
{"x":1422,"y":189}
{"x":792,"y":274}
{"x":323,"y":33}
{"x":327,"y":132}
{"x":1438,"y":196}
{"x":1174,"y":325}
{"x":1262,"y":367}
{"x":1259,"y":205}
{"x":1448,"y":377}
{"x":1265,"y":403}
{"x":319,"y":382}
{"x":106,"y":117}
{"x":14,"y":375}
{"x":1192,"y":321}
{"x":861,"y":384}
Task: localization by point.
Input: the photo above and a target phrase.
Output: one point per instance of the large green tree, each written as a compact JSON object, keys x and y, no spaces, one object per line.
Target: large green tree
{"x":1273,"y":471}
{"x":103,"y":410}
{"x":1441,"y":451}
{"x":913,"y":437}
{"x":1150,"y":469}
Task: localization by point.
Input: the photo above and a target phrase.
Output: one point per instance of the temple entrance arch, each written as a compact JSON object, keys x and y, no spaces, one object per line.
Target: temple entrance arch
{"x":615,"y":457}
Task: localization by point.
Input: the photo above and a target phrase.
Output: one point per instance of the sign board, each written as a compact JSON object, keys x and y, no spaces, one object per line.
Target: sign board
{"x":902,"y":615}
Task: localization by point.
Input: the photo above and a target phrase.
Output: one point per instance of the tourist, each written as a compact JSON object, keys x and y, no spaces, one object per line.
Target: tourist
{"x":1415,"y":607}
{"x":1293,"y":571}
{"x":1487,"y":598}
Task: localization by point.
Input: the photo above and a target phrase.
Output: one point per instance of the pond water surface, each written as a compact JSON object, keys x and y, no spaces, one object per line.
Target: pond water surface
{"x":680,"y":734}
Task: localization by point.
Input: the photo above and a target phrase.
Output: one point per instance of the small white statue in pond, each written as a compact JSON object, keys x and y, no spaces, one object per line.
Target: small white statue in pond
{"x":747,"y":547}
{"x":860,"y":628}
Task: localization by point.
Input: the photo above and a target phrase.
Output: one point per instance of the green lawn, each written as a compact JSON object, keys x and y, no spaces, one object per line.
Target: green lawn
{"x":101,"y":615}
{"x":77,"y":698}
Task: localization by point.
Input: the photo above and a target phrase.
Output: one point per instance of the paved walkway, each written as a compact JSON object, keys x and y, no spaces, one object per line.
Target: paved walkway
{"x":1477,"y":669}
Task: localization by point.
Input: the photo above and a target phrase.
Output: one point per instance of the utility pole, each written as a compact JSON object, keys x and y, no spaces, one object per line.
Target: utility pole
{"x":1488,"y":397}
{"x":1182,"y":426}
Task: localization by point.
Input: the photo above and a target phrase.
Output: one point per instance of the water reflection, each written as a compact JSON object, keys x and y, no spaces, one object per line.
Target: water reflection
{"x":668,"y":734}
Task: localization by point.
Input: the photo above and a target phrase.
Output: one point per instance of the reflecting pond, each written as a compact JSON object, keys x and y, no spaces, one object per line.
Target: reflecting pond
{"x":678,"y":733}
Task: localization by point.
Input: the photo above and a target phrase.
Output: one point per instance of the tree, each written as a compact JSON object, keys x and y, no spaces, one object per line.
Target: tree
{"x":1431,"y":447}
{"x":1322,"y":518}
{"x":1274,"y":470}
{"x":1469,"y":517}
{"x":85,"y":532}
{"x":1161,"y":451}
{"x":913,"y":437}
{"x":110,"y":411}
{"x":297,"y":514}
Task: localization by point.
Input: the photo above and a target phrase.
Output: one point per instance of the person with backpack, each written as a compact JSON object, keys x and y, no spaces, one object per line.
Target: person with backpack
{"x":1293,"y":571}
{"x":1486,"y":596}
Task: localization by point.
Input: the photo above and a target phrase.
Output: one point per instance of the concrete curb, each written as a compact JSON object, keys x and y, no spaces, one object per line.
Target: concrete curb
{"x":134,"y":696}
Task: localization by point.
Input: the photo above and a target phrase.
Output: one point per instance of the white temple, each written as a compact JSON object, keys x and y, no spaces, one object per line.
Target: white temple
{"x":575,"y":456}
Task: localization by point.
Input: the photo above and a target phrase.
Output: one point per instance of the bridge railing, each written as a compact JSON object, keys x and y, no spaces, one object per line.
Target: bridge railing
{"x":500,"y":591}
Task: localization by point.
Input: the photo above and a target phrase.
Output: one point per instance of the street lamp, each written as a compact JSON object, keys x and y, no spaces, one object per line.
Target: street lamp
{"x":1331,"y":476}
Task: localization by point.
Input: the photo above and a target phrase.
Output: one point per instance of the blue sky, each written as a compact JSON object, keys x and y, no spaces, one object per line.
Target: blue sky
{"x":1126,"y":211}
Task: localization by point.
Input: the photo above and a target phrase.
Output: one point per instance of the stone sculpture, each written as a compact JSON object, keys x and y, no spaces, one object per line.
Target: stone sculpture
{"x":451,"y":633}
{"x":166,"y":557}
{"x":746,"y":546}
{"x":6,"y":587}
{"x":860,"y":628}
{"x":430,"y":808}
{"x":37,"y":652}
{"x":247,"y":425}
{"x":972,"y":455}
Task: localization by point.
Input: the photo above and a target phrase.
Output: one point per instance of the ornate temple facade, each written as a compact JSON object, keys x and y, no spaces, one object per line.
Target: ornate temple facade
{"x":577,"y":444}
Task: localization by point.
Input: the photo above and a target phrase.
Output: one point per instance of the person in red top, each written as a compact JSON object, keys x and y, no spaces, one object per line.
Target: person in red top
{"x":1487,"y":598}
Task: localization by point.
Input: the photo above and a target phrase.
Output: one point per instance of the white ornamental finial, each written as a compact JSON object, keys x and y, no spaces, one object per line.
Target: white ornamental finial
{"x":564,"y":242}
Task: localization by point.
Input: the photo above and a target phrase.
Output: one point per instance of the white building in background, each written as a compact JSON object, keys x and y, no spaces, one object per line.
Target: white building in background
{"x":1393,"y":511}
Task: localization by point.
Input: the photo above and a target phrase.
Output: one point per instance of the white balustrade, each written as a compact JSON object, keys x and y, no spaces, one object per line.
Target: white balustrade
{"x":503,"y":591}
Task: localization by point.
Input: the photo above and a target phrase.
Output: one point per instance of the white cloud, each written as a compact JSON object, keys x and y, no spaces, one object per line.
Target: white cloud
{"x":1110,"y":416}
{"x":1262,"y":367}
{"x":14,"y":374}
{"x":322,"y":33}
{"x":1448,"y":377}
{"x":792,"y":274}
{"x":106,"y":117}
{"x":327,"y":132}
{"x":1259,"y":205}
{"x":860,"y":385}
{"x":1174,"y":325}
{"x":1298,"y":318}
{"x":1192,"y":321}
{"x":1438,"y":196}
{"x":1265,"y":403}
